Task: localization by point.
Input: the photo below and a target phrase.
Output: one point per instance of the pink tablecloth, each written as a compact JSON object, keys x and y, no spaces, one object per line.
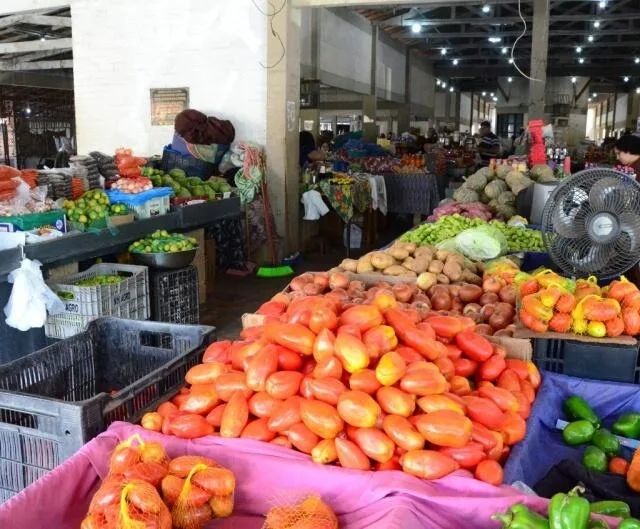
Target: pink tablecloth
{"x":267,"y":475}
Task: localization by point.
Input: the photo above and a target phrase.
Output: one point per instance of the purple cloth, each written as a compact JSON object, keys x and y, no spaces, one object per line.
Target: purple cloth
{"x":269,"y":475}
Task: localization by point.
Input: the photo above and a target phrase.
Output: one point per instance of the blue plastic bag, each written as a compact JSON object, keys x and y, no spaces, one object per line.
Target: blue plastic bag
{"x":543,"y":446}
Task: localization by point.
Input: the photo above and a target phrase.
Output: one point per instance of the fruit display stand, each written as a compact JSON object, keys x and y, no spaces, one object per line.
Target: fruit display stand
{"x":80,"y":246}
{"x":268,"y":475}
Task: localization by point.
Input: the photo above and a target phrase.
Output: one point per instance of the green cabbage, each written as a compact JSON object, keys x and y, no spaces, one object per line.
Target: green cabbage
{"x":482,"y":243}
{"x":476,"y":181}
{"x":495,"y":188}
{"x":463,"y":194}
{"x":502,"y":171}
{"x":507,"y":197}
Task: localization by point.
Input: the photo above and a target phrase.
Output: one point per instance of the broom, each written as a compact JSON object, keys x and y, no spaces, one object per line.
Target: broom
{"x":274,"y":270}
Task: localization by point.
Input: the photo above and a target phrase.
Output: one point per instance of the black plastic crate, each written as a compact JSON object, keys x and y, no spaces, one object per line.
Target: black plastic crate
{"x":55,"y":400}
{"x":613,"y":362}
{"x":174,"y":296}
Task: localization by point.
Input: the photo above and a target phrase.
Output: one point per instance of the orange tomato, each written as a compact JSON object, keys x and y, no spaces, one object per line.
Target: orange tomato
{"x":167,"y":408}
{"x":492,"y":368}
{"x":350,"y":455}
{"x":395,"y":401}
{"x":283,"y":384}
{"x":235,"y":416}
{"x":431,"y":403}
{"x":496,"y":452}
{"x":152,"y":473}
{"x":243,"y":351}
{"x":288,"y":360}
{"x":217,"y":481}
{"x":262,"y":404}
{"x":190,"y":426}
{"x":362,"y":316}
{"x":524,"y":407}
{"x":459,"y":386}
{"x":325,"y":452}
{"x":534,"y":375}
{"x":221,"y":506}
{"x":465,"y":367}
{"x":302,"y":438}
{"x":424,"y":382}
{"x":292,"y":336}
{"x":358,"y":409}
{"x":490,"y":472}
{"x":321,"y":418}
{"x":351,"y":352}
{"x":261,"y":366}
{"x":402,"y":432}
{"x":217,"y":352}
{"x":201,"y":400}
{"x":380,"y":340}
{"x":409,"y":354}
{"x":205,"y":373}
{"x":528,"y":391}
{"x":227,"y":384}
{"x":364,"y":380}
{"x":445,"y":428}
{"x":327,"y":389}
{"x":182,"y":465}
{"x":214,"y":417}
{"x":483,"y":436}
{"x":428,"y":464}
{"x":618,"y":465}
{"x":327,"y":367}
{"x":281,"y":440}
{"x":285,"y":415}
{"x":467,"y":456}
{"x":509,"y":380}
{"x":152,"y":421}
{"x":374,"y":443}
{"x":446,"y":367}
{"x":484,"y":411}
{"x":323,"y":318}
{"x":513,"y":428}
{"x":391,"y":368}
{"x":505,"y":400}
{"x":258,"y":429}
{"x":323,"y":346}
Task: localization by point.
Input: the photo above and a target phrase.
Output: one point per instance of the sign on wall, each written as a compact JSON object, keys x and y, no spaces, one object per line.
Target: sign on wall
{"x":166,"y":104}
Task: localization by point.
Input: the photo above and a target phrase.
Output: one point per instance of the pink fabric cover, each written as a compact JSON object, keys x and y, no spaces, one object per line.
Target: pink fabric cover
{"x":268,"y":475}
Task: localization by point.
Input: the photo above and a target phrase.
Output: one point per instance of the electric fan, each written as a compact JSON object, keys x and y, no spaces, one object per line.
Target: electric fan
{"x":591,"y":224}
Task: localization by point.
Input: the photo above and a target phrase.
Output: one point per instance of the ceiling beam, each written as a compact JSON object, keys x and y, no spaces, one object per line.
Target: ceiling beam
{"x":35,"y":45}
{"x":485,"y":34}
{"x":36,"y":20}
{"x":11,"y":66}
{"x":382,"y":4}
{"x":611,"y":70}
{"x":37,"y":80}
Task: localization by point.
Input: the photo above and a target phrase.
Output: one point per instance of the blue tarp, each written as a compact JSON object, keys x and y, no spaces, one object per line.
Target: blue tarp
{"x":543,"y":446}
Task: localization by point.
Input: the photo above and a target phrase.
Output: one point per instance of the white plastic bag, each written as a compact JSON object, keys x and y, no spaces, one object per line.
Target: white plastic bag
{"x":30,"y":298}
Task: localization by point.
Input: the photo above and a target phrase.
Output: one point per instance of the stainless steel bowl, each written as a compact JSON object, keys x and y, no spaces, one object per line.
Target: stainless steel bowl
{"x":166,"y":261}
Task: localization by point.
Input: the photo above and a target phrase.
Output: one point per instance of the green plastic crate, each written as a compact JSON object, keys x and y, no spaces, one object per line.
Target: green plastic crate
{"x":32,"y":221}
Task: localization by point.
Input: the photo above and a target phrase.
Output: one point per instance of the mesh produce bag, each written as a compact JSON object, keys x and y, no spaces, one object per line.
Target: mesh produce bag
{"x":308,"y":513}
{"x":137,"y":459}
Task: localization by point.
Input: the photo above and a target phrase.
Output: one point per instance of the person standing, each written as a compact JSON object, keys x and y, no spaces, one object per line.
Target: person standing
{"x":489,"y":146}
{"x":627,"y":150}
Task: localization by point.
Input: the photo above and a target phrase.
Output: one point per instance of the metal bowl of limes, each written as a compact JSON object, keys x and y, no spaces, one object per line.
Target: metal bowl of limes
{"x":166,"y":261}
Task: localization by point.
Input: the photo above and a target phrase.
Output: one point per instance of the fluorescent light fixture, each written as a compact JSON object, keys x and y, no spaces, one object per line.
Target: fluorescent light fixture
{"x":491,"y":94}
{"x":637,"y":60}
{"x":484,"y":94}
{"x":510,"y":60}
{"x":579,"y":49}
{"x":596,"y":24}
{"x":581,"y":60}
{"x":573,"y":80}
{"x":451,"y":89}
{"x":444,"y":85}
{"x":602,"y":4}
{"x":416,"y":27}
{"x":486,"y":8}
{"x":42,"y":39}
{"x":455,"y":62}
{"x":509,"y":79}
{"x":594,"y":94}
{"x":637,"y":90}
{"x":504,"y":51}
{"x":590,"y":38}
{"x":443,"y":51}
{"x":495,"y":98}
{"x":626,"y":78}
{"x":495,"y":40}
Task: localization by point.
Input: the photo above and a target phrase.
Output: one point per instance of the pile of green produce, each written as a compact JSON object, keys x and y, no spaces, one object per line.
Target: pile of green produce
{"x":603,"y":451}
{"x":100,"y":280}
{"x":519,"y":239}
{"x":161,"y":241}
{"x":185,"y":186}
{"x":91,"y":207}
{"x":118,"y":209}
{"x":568,"y":511}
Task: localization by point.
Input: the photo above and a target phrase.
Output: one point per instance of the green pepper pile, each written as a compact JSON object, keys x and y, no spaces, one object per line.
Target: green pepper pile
{"x":568,"y":511}
{"x":586,"y":428}
{"x":161,"y":241}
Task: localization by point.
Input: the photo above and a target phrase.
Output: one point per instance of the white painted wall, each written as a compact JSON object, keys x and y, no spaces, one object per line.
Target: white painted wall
{"x":440,"y":101}
{"x":465,"y":111}
{"x":345,"y":53}
{"x":113,"y":75}
{"x":621,"y":111}
{"x":390,"y":72}
{"x":423,"y":86}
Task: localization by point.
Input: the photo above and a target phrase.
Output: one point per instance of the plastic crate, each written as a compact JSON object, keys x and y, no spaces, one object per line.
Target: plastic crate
{"x":32,"y":221}
{"x":174,"y":296}
{"x":172,"y":159}
{"x":114,"y":299}
{"x":55,"y":400}
{"x":616,"y":363}
{"x":144,"y":205}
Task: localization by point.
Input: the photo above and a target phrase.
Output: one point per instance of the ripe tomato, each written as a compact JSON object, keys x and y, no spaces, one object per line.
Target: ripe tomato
{"x":357,"y":408}
{"x":152,"y":421}
{"x":323,"y":318}
{"x":402,"y":432}
{"x":323,"y":346}
{"x":288,"y":360}
{"x":467,"y":456}
{"x":489,"y":471}
{"x":258,"y":429}
{"x":445,"y":428}
{"x":391,"y":368}
{"x":152,"y":473}
{"x":214,"y":417}
{"x":190,"y":426}
{"x":395,"y":401}
{"x":262,"y":404}
{"x":285,"y":415}
{"x":229,"y":383}
{"x":167,"y":408}
{"x":326,"y":389}
{"x":235,"y":416}
{"x":428,"y":464}
{"x":303,"y":438}
{"x":350,"y":455}
{"x":283,"y":384}
{"x":374,"y":443}
{"x":324,"y":452}
{"x":484,"y":411}
{"x":431,"y":403}
{"x":217,"y":481}
{"x":352,"y":352}
{"x":328,"y":367}
{"x":123,"y":458}
{"x":424,"y":382}
{"x":182,"y":465}
{"x":261,"y":366}
{"x":365,"y":380}
{"x":217,"y":352}
{"x":321,"y":418}
{"x":281,"y":440}
{"x":364,"y":317}
{"x":205,"y":373}
{"x":201,"y":399}
{"x":293,"y":336}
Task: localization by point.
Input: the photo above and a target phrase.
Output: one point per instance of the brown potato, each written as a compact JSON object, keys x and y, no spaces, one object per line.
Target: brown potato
{"x":395,"y":270}
{"x":452,"y":269}
{"x":364,"y":265}
{"x":350,"y":265}
{"x":435,"y":267}
{"x":398,"y":253}
{"x":419,"y":264}
{"x":470,"y":265}
{"x":426,"y":280}
{"x":443,"y":279}
{"x":408,"y":263}
{"x":470,"y":277}
{"x":424,"y":250}
{"x":409,"y":246}
{"x":441,"y":255}
{"x":381,"y":260}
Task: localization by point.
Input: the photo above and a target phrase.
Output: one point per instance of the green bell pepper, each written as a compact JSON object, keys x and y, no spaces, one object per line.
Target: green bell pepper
{"x":594,"y":459}
{"x":520,"y":517}
{"x":598,"y":524}
{"x":618,"y":509}
{"x":577,"y":409}
{"x":578,"y":432}
{"x":627,"y":425}
{"x":606,"y":441}
{"x":569,"y":511}
{"x":630,"y":523}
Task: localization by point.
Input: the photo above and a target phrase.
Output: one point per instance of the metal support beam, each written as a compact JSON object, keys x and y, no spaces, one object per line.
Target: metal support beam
{"x":37,"y":65}
{"x":539,"y":48}
{"x":36,"y":20}
{"x":35,"y":45}
{"x":37,"y":80}
{"x":484,"y":34}
{"x":374,"y":58}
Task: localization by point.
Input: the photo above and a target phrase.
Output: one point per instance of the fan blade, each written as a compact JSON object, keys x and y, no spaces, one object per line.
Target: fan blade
{"x":630,"y":224}
{"x":583,"y":258}
{"x":566,"y":226}
{"x":602,"y":195}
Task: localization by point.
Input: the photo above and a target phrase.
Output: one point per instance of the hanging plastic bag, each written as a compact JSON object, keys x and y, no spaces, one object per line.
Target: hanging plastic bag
{"x":482,"y":243}
{"x":30,"y":298}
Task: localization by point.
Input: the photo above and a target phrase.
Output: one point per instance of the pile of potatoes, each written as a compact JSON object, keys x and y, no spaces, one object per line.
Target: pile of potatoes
{"x":427,"y":264}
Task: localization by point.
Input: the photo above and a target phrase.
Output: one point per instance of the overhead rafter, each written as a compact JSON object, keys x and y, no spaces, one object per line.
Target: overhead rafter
{"x":36,"y":20}
{"x":35,"y":45}
{"x":9,"y":66}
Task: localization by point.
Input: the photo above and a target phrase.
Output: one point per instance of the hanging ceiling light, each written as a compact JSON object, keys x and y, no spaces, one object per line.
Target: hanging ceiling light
{"x":443,"y":51}
{"x":455,"y":62}
{"x":581,"y":60}
{"x":594,"y":94}
{"x":416,"y":27}
{"x":495,"y":40}
{"x":589,"y":100}
{"x":510,"y":60}
{"x":495,"y":98}
{"x":596,"y":24}
{"x":590,"y":38}
{"x":491,"y":94}
{"x":504,"y":50}
{"x":484,"y":94}
{"x":626,"y":78}
{"x":637,"y":90}
{"x":509,"y":79}
{"x":637,"y":60}
{"x":486,"y":8}
{"x":573,"y":80}
{"x":602,"y":4}
{"x":579,"y":49}
{"x":444,"y":85}
{"x":451,"y":89}
{"x":437,"y":82}
{"x":27,"y":110}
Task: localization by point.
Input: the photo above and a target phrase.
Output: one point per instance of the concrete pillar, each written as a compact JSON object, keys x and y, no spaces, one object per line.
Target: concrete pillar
{"x":633,"y":110}
{"x":370,"y":102}
{"x":404,"y":118}
{"x":283,"y":94}
{"x":539,"y":48}
{"x":334,"y":125}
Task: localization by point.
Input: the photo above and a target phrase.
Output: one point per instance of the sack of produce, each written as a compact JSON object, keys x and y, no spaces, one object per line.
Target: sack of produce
{"x":482,"y":243}
{"x":309,"y":512}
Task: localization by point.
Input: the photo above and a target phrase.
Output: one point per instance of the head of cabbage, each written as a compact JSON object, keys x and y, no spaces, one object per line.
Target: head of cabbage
{"x":482,"y":243}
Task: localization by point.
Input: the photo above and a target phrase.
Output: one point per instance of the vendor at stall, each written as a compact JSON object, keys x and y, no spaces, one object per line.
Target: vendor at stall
{"x":308,"y":151}
{"x":627,"y":150}
{"x":489,"y":146}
